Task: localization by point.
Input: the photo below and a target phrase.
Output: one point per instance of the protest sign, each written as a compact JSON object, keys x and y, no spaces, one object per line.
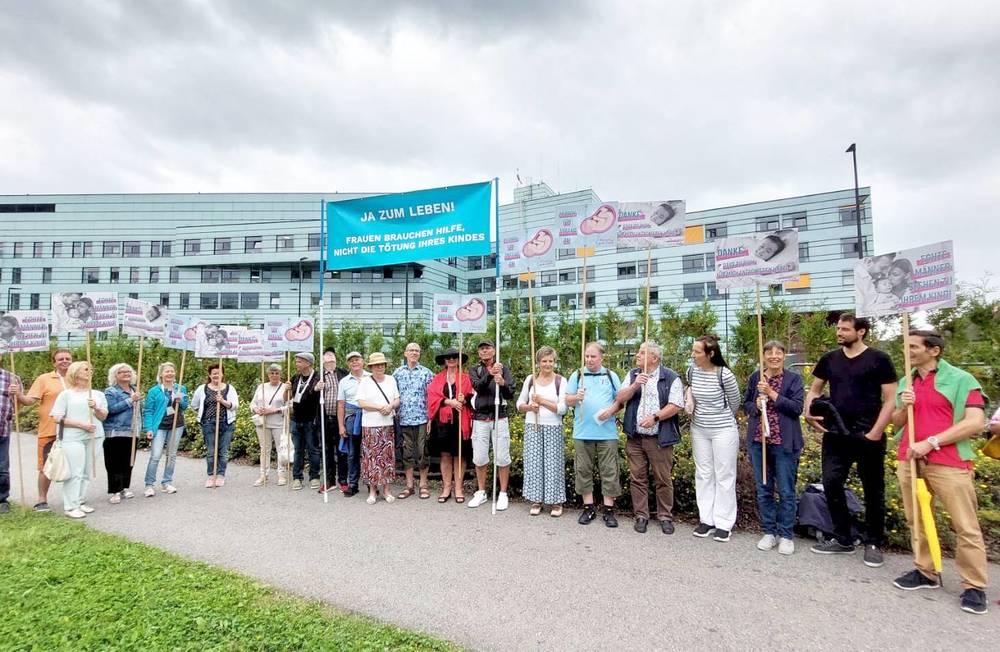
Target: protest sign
{"x":84,"y":311}
{"x":758,"y":258}
{"x":458,"y":313}
{"x":922,"y":278}
{"x":653,"y":224}
{"x":144,"y":319}
{"x":216,"y":340}
{"x":24,"y":330}
{"x":532,"y":250}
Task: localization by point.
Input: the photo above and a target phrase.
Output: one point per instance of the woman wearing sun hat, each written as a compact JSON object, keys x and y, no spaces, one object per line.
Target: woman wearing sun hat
{"x":378,"y":398}
{"x":448,"y":414}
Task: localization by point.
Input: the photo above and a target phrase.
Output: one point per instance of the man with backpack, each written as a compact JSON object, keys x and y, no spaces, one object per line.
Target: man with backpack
{"x":595,"y":434}
{"x":653,"y":395}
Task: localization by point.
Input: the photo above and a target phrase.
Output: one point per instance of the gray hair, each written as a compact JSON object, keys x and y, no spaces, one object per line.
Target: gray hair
{"x":113,"y":373}
{"x":545,"y":351}
{"x":596,"y":345}
{"x":654,"y":349}
{"x":159,"y":370}
{"x":775,"y":344}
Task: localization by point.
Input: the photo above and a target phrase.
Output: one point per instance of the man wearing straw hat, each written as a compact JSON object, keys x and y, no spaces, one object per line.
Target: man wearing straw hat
{"x":486,"y":377}
{"x":948,"y":410}
{"x":304,"y":397}
{"x":10,"y":389}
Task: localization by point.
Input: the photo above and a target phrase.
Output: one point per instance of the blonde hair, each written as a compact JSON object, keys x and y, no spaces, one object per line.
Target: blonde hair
{"x":74,"y":370}
{"x":113,"y":373}
{"x":545,"y":351}
{"x":159,"y":370}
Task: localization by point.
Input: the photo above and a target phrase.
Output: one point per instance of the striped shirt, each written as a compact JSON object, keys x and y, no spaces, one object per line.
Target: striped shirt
{"x":710,"y":404}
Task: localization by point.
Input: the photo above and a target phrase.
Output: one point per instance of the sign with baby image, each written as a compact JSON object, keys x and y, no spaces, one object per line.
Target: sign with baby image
{"x":181,"y":332}
{"x":759,"y":258}
{"x":289,"y":333}
{"x":84,"y":311}
{"x":216,"y":340}
{"x":530,"y":250}
{"x":922,"y":278}
{"x":458,"y":313}
{"x":144,"y":319}
{"x":594,"y":226}
{"x":24,"y":330}
{"x":651,"y":224}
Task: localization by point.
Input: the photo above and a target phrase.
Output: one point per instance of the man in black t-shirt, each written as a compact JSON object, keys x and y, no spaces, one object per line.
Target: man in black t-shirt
{"x":304,"y":397}
{"x":863,"y":390}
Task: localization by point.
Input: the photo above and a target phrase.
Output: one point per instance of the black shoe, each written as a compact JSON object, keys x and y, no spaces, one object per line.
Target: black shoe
{"x":974,"y":601}
{"x":588,"y":514}
{"x":832,"y":547}
{"x":667,"y":527}
{"x":350,"y":492}
{"x":914,"y":580}
{"x":609,"y":518}
{"x":4,"y":507}
{"x":721,"y":535}
{"x":702,"y":530}
{"x":873,"y":555}
{"x":640,"y":525}
{"x":41,"y":507}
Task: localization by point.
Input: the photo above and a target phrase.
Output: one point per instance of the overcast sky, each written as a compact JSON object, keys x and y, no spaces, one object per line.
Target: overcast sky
{"x":719,"y":103}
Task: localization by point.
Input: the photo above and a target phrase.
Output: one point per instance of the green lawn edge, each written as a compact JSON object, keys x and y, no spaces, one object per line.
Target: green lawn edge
{"x":65,"y":586}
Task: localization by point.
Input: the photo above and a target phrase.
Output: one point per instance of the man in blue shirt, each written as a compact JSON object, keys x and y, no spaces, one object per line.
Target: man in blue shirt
{"x":595,"y":434}
{"x":413,"y":379}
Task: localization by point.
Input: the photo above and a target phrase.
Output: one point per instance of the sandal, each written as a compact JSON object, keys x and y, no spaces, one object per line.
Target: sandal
{"x":557,"y":511}
{"x":405,"y":493}
{"x":424,"y":493}
{"x":443,"y":498}
{"x":459,"y":499}
{"x":536,"y":509}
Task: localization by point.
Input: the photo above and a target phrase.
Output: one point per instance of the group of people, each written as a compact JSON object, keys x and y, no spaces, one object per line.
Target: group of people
{"x":364,"y":412}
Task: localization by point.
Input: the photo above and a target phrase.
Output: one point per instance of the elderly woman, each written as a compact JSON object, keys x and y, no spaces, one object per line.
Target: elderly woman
{"x":216,"y":404}
{"x":543,"y":400}
{"x":80,"y":412}
{"x":451,"y":421}
{"x":268,"y":407}
{"x":123,"y":400}
{"x":780,"y":394}
{"x":378,"y":398}
{"x":163,"y":422}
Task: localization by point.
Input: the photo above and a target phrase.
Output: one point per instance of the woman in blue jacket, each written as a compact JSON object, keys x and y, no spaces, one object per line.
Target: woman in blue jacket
{"x":781,"y":394}
{"x":118,"y":429}
{"x":163,"y":421}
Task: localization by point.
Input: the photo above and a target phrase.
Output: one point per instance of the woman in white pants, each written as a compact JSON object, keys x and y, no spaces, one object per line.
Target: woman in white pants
{"x":713,"y":397}
{"x":268,"y":408}
{"x":80,"y":411}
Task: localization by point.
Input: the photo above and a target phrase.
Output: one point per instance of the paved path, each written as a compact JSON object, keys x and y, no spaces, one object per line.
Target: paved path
{"x":518,"y":582}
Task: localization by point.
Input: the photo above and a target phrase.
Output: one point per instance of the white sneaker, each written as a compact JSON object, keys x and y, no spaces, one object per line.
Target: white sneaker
{"x":168,"y":488}
{"x":128,"y":494}
{"x":282,"y":481}
{"x":767,"y":542}
{"x":371,"y":499}
{"x":502,"y":501}
{"x":478,"y":498}
{"x":389,"y":498}
{"x":74,"y":513}
{"x":149,"y":492}
{"x":259,"y":482}
{"x":786,"y":546}
{"x":86,"y":509}
{"x":115,"y":499}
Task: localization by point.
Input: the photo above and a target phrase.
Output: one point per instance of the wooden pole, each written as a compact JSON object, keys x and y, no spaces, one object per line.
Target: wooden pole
{"x":645,"y":331}
{"x":765,"y":427}
{"x":17,"y":434}
{"x":93,"y":435}
{"x":137,"y":406}
{"x":910,"y":435}
{"x":583,"y":321}
{"x":87,"y":335}
{"x":218,"y":409}
{"x":531,"y":323}
{"x":173,"y":424}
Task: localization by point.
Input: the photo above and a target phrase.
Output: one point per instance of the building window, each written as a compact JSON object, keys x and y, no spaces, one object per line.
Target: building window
{"x":154,"y":274}
{"x":285,"y":242}
{"x":418,"y":299}
{"x":112,"y":249}
{"x":453,"y":262}
{"x":768,"y":223}
{"x":563,"y":254}
{"x":260,"y":274}
{"x":114,"y":275}
{"x":803,"y":252}
{"x":692,"y":263}
{"x":185,"y":301}
{"x":655,"y":265}
{"x":27,"y":208}
{"x":694,"y":291}
{"x":626,"y":297}
{"x":848,"y":215}
{"x":626,"y":270}
{"x":56,"y":249}
{"x":15,"y":275}
{"x":489,"y":284}
{"x":475,"y":262}
{"x":165,"y":299}
{"x":13,"y":301}
{"x":230,"y":301}
{"x":314,"y":299}
{"x":475,"y":285}
{"x":175,"y":274}
{"x":18,"y":249}
{"x":795,"y":221}
{"x":133,"y":275}
{"x":46,"y":275}
{"x":335,"y":299}
{"x":654,"y":296}
{"x":797,"y":291}
{"x":83,"y":249}
{"x":230,"y":275}
{"x":210,"y":274}
{"x":567,"y":276}
{"x":90,"y":275}
{"x":275,"y":300}
{"x":249,"y":300}
{"x":550,"y":302}
{"x":223,"y":245}
{"x":388,"y":330}
{"x":253,"y":244}
{"x":36,"y":250}
{"x":160,"y":248}
{"x":713,"y":291}
{"x":133,"y":295}
{"x":376,"y":275}
{"x":356,"y":276}
{"x":387,"y":272}
{"x":314,"y":243}
{"x":716,"y":230}
{"x":376,"y":298}
{"x":452,"y":283}
{"x":849,"y":247}
{"x":130,"y":249}
{"x":509,"y":282}
{"x":192,"y":247}
{"x":306,"y":273}
{"x":209,"y":300}
{"x":355,"y":299}
{"x":397,"y":298}
{"x":34,"y":301}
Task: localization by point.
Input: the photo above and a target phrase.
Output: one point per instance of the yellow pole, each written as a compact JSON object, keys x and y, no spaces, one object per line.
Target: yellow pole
{"x":136,"y":406}
{"x":645,"y":332}
{"x":173,"y":424}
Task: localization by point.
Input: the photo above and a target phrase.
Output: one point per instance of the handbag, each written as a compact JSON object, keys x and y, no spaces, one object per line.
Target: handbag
{"x":992,"y":447}
{"x":395,"y":417}
{"x":258,"y":419}
{"x":56,"y":466}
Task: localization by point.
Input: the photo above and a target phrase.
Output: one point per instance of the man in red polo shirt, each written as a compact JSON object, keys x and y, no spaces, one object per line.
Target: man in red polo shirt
{"x":948,"y":409}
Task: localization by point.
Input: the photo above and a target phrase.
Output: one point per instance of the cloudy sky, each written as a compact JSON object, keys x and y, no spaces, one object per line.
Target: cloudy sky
{"x":717,"y":102}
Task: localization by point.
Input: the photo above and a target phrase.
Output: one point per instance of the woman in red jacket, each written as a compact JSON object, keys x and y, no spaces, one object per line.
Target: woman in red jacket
{"x":451,"y":421}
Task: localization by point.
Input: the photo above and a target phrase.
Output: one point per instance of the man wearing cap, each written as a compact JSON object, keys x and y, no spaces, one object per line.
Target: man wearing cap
{"x":412,"y":380}
{"x":349,"y":418}
{"x":336,"y":462}
{"x":486,"y":377}
{"x":304,"y":397}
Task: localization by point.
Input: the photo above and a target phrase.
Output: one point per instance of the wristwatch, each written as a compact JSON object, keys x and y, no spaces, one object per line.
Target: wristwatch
{"x":933,"y":441}
{"x":656,"y":418}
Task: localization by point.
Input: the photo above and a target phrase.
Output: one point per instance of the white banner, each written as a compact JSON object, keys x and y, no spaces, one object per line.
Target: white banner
{"x":253,"y":346}
{"x":530,"y":250}
{"x":598,"y":227}
{"x":922,"y":278}
{"x":143,"y":318}
{"x":458,"y":313}
{"x":84,"y":311}
{"x":290,"y":334}
{"x":24,"y":330}
{"x":758,"y":258}
{"x":651,"y":224}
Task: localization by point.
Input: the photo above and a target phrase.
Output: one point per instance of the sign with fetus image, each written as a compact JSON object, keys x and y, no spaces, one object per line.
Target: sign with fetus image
{"x":529,"y":250}
{"x":146,"y":319}
{"x":651,"y":224}
{"x":922,"y":278}
{"x":216,"y":340}
{"x":459,"y":313}
{"x":758,"y":258}
{"x":84,"y":311}
{"x":598,"y":226}
{"x":24,"y":330}
{"x":289,"y":333}
{"x":181,"y":332}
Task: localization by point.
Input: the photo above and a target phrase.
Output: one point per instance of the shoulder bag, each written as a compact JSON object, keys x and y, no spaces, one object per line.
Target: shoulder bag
{"x":56,"y":466}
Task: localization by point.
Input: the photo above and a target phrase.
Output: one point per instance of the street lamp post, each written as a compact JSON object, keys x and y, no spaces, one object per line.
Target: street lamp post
{"x":301,"y":260}
{"x":857,"y":199}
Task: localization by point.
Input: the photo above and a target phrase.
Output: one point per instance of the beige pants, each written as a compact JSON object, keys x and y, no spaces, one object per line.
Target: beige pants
{"x":955,"y":489}
{"x":270,"y":439}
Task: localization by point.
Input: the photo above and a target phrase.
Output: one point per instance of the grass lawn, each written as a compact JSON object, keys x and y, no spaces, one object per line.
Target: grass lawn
{"x":64,"y":586}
